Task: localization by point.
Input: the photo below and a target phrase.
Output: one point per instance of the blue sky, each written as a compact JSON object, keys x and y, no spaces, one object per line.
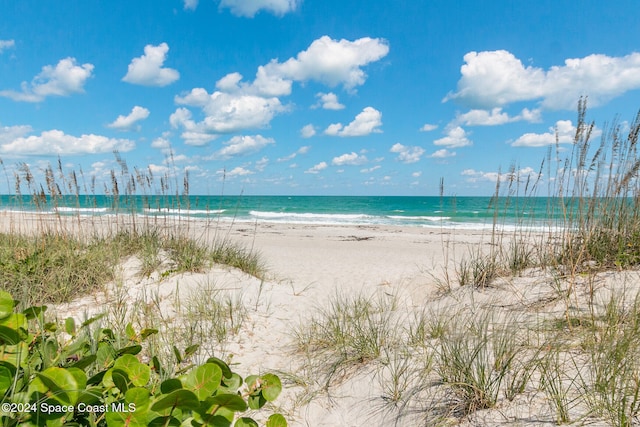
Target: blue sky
{"x":310,"y":97}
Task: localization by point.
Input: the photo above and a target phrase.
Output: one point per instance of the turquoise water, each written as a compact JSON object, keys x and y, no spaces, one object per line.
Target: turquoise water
{"x":458,"y":212}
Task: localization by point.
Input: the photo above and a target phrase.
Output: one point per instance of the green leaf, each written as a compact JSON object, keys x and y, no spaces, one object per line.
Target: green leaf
{"x":147,"y":332}
{"x":15,"y":355}
{"x":91,"y":320}
{"x":177,"y":399}
{"x":6,"y":379}
{"x":226,"y":371}
{"x":232,"y":402}
{"x":256,"y":401}
{"x":60,"y":382}
{"x":176,"y":352}
{"x":165,"y":421}
{"x":9,"y":336}
{"x":204,"y":380}
{"x":134,"y":411}
{"x":157,"y":366}
{"x":34,"y":312}
{"x":84,"y":362}
{"x":271,"y":387}
{"x":139,"y":373}
{"x":120,"y":379}
{"x":70,"y":326}
{"x":15,"y":321}
{"x":132,"y":349}
{"x":232,"y":383}
{"x":131,"y":333}
{"x":245,"y":422}
{"x":276,"y":420}
{"x":190,"y":350}
{"x":6,"y":304}
{"x":167,"y":386}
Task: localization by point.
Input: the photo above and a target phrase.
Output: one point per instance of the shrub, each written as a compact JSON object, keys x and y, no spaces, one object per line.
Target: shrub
{"x":51,"y":376}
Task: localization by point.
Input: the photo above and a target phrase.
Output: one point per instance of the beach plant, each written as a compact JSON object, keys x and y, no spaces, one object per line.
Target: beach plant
{"x":54,"y":375}
{"x":352,"y":331}
{"x":612,"y":387}
{"x":475,"y":360}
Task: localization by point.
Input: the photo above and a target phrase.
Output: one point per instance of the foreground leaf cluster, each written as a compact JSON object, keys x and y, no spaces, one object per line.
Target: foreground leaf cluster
{"x":54,"y":375}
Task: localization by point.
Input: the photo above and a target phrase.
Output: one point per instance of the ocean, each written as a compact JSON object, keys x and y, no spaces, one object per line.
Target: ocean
{"x":434,"y":212}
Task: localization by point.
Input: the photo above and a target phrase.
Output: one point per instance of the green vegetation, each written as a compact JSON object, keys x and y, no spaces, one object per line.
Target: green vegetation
{"x":51,"y":376}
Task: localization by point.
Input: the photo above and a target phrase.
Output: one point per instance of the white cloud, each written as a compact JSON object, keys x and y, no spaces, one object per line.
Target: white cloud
{"x":520,"y":175}
{"x":147,"y":69}
{"x":190,"y":4}
{"x":407,"y":154}
{"x":302,"y":150}
{"x":243,"y":145}
{"x":15,"y":141}
{"x":564,"y":130}
{"x":417,"y":174}
{"x":371,"y":169}
{"x":262,"y":164}
{"x":317,"y":168}
{"x":10,"y":133}
{"x":248,"y":8}
{"x":497,"y":78}
{"x":308,"y":131}
{"x":225,"y":112}
{"x":428,"y":127}
{"x":6,"y":44}
{"x":456,"y":137}
{"x":496,"y":117}
{"x":365,"y":123}
{"x":327,"y":61}
{"x":237,"y":171}
{"x":349,"y":159}
{"x":62,"y":80}
{"x":442,"y":154}
{"x":127,"y":122}
{"x":328,"y":101}
{"x":161,"y":143}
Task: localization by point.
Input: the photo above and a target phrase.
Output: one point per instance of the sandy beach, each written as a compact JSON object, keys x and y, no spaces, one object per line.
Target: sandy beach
{"x":309,"y":268}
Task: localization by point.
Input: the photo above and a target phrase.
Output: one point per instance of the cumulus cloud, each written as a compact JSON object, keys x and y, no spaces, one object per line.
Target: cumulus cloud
{"x":349,"y":159}
{"x":563,"y":132}
{"x":428,"y":127}
{"x":328,"y":101}
{"x":407,"y":154}
{"x":365,"y":123}
{"x":6,"y":44}
{"x":442,"y":154}
{"x":308,"y":131}
{"x":496,"y":117}
{"x":128,"y":122}
{"x":317,"y":168}
{"x":237,"y":105}
{"x":190,"y":4}
{"x":224,"y":112}
{"x":147,"y":69}
{"x":497,"y":78}
{"x":243,"y":145}
{"x":62,"y":80}
{"x":456,"y":138}
{"x":328,"y":61}
{"x":16,"y":141}
{"x":248,"y":9}
{"x":237,"y":171}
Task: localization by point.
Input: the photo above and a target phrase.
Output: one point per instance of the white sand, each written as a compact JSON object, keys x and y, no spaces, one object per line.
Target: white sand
{"x":307,"y":265}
